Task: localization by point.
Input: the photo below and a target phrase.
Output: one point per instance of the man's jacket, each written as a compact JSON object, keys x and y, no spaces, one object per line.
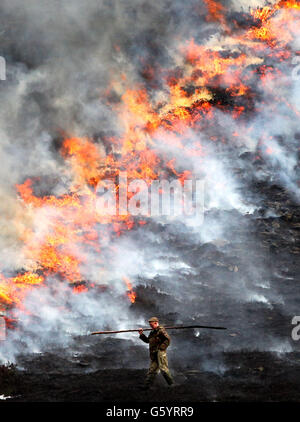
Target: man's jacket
{"x":158,"y":339}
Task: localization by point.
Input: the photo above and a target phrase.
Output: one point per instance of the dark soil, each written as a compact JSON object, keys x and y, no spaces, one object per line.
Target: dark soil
{"x":249,"y":377}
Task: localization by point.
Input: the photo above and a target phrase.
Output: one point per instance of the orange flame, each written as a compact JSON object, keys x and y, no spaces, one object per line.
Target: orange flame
{"x":131,"y":294}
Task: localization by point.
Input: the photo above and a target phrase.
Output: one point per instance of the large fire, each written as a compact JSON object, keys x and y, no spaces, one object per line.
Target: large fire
{"x":188,"y":100}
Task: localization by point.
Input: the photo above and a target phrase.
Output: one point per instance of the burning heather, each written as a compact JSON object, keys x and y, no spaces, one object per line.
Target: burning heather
{"x":168,"y":92}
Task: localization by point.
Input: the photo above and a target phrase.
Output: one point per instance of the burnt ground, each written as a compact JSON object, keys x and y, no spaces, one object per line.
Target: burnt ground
{"x":249,"y":377}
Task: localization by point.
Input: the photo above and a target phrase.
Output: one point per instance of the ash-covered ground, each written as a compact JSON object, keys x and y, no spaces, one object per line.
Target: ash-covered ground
{"x":248,"y":377}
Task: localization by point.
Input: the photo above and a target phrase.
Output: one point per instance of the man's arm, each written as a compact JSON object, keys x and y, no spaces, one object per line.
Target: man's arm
{"x":142,"y":336}
{"x":166,"y":340}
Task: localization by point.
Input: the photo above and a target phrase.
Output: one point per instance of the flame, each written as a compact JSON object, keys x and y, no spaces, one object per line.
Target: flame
{"x":275,"y":28}
{"x":13,"y":289}
{"x":289,"y":4}
{"x":131,"y":294}
{"x":84,"y":158}
{"x":216,"y":13}
{"x":80,"y":288}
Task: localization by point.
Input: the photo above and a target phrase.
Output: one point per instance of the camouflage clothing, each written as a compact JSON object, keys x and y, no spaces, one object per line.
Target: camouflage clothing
{"x":158,"y":340}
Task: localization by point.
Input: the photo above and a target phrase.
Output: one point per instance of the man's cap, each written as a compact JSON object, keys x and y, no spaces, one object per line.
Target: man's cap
{"x":153,"y":319}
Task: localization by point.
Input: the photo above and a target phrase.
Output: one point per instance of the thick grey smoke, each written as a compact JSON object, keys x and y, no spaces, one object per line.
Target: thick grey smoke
{"x":61,"y":58}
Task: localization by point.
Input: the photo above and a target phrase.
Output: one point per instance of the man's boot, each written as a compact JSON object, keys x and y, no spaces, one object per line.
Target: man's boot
{"x":149,"y":382}
{"x":168,"y":378}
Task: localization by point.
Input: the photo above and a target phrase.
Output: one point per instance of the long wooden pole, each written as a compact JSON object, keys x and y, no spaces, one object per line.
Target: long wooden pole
{"x":168,"y":328}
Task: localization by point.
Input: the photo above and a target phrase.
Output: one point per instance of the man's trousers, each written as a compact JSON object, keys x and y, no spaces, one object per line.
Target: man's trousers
{"x":159,"y":362}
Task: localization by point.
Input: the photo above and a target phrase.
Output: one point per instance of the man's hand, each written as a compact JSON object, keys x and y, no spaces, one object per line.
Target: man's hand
{"x":140,"y":331}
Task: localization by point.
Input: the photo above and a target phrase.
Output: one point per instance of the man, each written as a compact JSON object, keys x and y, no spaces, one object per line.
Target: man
{"x":158,"y":340}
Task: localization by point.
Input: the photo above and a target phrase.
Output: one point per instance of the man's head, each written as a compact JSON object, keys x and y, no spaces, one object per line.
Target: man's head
{"x":154,"y":322}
